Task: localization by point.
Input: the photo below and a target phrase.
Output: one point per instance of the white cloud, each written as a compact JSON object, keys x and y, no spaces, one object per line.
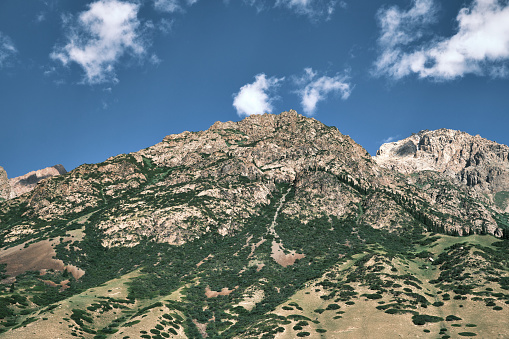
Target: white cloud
{"x":314,"y":90}
{"x":390,"y":139}
{"x":7,"y":49}
{"x":99,"y":37}
{"x":254,"y":98}
{"x":480,"y":44}
{"x":172,"y":5}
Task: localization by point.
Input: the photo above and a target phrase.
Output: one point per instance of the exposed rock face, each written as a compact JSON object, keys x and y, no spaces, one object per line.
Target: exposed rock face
{"x":480,"y":165}
{"x":26,"y":183}
{"x":471,"y":160}
{"x":5,"y":188}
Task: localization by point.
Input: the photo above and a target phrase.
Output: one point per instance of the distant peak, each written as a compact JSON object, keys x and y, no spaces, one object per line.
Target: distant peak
{"x":25,"y":183}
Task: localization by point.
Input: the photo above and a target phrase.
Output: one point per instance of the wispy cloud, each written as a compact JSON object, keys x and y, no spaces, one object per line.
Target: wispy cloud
{"x":255,"y":98}
{"x":314,"y":89}
{"x":311,"y":8}
{"x":314,"y":9}
{"x":40,"y":17}
{"x":172,"y":5}
{"x":99,"y":37}
{"x":7,"y":50}
{"x":390,"y":139}
{"x":479,"y":46}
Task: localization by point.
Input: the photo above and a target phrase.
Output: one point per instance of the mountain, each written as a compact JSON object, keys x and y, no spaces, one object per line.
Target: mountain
{"x":274,"y":226}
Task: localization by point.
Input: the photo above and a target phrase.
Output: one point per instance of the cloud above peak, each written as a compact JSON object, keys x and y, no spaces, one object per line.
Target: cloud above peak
{"x":256,"y":97}
{"x":315,"y":89}
{"x":479,"y":46}
{"x":99,"y":37}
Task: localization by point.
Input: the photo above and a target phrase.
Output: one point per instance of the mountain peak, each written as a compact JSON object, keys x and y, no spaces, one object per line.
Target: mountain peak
{"x":27,"y":182}
{"x":470,"y":160}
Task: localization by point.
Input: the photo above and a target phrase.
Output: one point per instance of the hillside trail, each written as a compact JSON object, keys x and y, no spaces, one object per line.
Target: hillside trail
{"x":272,"y":227}
{"x":280,"y":254}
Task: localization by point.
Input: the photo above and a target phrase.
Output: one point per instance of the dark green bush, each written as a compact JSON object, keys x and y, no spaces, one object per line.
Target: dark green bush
{"x":452,"y":318}
{"x":421,"y":319}
{"x":372,"y":296}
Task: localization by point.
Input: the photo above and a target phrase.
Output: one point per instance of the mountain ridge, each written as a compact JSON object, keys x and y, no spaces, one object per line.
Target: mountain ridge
{"x":274,"y":226}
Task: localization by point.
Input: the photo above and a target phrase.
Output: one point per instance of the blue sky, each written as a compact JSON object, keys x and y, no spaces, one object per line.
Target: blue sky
{"x":81,"y":81}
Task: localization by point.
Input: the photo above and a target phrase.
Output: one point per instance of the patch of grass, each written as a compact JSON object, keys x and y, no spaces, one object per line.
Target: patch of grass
{"x":502,"y":199}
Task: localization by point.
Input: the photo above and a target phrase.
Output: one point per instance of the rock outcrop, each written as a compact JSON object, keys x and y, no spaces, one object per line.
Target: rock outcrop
{"x":5,"y":188}
{"x":26,"y":183}
{"x":470,"y":161}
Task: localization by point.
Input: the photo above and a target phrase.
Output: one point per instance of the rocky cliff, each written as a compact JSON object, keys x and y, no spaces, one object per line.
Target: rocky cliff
{"x":470,"y":161}
{"x":5,"y":188}
{"x":25,"y":183}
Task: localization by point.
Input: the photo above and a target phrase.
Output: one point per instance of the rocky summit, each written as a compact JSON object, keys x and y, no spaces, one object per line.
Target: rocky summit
{"x":276,"y":226}
{"x":478,"y":163}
